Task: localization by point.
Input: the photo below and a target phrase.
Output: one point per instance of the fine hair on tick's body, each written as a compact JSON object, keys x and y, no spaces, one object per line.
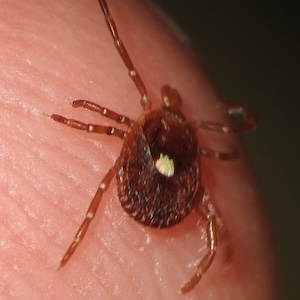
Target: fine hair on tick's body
{"x":158,"y":171}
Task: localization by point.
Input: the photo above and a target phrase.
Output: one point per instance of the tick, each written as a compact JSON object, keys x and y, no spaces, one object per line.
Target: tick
{"x":158,"y":171}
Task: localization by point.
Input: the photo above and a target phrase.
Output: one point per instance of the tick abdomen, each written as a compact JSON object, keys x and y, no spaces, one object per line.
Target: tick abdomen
{"x":158,"y":172}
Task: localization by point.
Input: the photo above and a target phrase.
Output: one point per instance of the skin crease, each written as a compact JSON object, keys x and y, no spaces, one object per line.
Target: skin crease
{"x":53,"y":53}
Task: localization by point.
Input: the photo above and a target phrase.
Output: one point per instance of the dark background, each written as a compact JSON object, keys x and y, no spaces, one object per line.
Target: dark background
{"x":252,"y":52}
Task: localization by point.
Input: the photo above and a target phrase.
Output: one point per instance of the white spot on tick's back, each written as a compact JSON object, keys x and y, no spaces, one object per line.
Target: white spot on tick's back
{"x":165,"y":165}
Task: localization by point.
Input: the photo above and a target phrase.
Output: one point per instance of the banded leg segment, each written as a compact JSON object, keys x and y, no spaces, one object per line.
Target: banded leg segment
{"x":90,"y":127}
{"x":207,"y":260}
{"x":90,"y":214}
{"x":103,"y":111}
{"x":217,"y":154}
{"x":242,"y":118}
{"x":132,"y":72}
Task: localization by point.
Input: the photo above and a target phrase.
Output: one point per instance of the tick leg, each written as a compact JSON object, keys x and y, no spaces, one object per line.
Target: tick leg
{"x":243,"y":119}
{"x":132,"y":72}
{"x":171,"y":97}
{"x":206,"y":262}
{"x":89,"y":216}
{"x":90,"y":127}
{"x":103,"y":111}
{"x":218,"y":155}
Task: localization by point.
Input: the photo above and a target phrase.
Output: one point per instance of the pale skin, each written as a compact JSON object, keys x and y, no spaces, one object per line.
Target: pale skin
{"x":54,"y":53}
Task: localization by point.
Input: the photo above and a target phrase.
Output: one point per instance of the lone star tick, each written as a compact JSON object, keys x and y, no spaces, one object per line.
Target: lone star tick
{"x":158,"y":171}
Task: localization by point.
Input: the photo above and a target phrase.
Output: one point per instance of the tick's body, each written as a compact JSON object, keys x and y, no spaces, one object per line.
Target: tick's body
{"x":158,"y":171}
{"x":145,"y":192}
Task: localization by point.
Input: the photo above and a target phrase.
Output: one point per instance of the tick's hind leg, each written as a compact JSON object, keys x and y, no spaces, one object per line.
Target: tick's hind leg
{"x":90,"y":127}
{"x":205,"y":263}
{"x":89,"y":216}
